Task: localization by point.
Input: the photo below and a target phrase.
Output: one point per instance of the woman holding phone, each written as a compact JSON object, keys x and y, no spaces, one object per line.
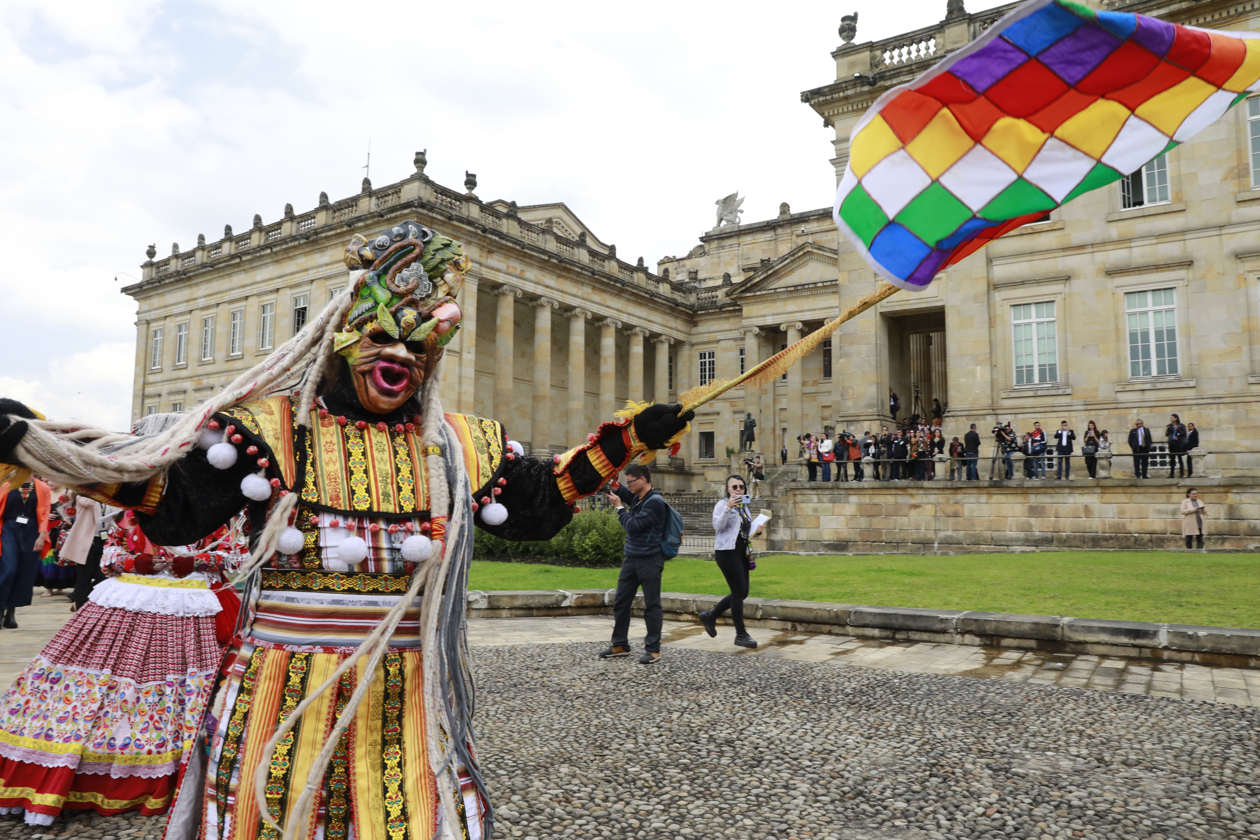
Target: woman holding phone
{"x":1193,"y":512}
{"x":733,"y":522}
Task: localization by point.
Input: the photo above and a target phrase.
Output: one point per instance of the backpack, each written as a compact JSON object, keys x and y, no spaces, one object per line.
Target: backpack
{"x":672,"y":535}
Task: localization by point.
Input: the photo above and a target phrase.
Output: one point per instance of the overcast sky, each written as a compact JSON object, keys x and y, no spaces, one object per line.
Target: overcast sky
{"x":134,"y":121}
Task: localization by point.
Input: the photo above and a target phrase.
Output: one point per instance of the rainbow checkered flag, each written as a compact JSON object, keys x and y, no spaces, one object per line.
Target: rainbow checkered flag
{"x":1054,"y":100}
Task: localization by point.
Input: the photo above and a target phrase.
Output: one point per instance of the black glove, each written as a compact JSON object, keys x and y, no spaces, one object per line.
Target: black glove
{"x":12,"y":431}
{"x":657,"y":423}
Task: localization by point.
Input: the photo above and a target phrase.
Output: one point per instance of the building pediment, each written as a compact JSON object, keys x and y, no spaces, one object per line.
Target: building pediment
{"x":807,"y":265}
{"x":560,"y":219}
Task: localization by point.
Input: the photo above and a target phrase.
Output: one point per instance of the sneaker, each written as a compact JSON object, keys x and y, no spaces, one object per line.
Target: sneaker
{"x":746,"y":641}
{"x":709,"y":622}
{"x":649,"y":657}
{"x":615,"y":650}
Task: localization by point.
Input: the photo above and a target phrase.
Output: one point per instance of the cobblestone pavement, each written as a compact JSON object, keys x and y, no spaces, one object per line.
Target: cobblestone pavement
{"x":786,"y":742}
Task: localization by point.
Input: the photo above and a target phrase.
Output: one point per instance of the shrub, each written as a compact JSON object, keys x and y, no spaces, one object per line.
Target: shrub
{"x":594,"y":539}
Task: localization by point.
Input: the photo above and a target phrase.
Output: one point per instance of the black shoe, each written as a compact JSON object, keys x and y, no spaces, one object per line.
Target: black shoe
{"x":10,"y":623}
{"x":746,"y":641}
{"x":709,"y":622}
{"x":649,"y":657}
{"x":615,"y":650}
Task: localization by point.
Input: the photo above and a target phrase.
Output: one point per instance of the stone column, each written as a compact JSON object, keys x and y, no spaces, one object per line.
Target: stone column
{"x":752,"y":394}
{"x":636,"y":362}
{"x":505,"y":352}
{"x":661,"y":392}
{"x":795,"y":408}
{"x":577,"y":376}
{"x":142,"y":369}
{"x":608,"y":368}
{"x":467,"y":339}
{"x":685,"y":372}
{"x":542,"y":415}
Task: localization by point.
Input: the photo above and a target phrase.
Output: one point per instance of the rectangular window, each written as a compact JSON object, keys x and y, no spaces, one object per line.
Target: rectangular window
{"x":236,"y":337}
{"x":177,"y":407}
{"x":1035,"y":343}
{"x":707,"y":446}
{"x":742,"y":360}
{"x":1149,"y":185}
{"x":826,"y":350}
{"x":266,"y":325}
{"x":669,"y":369}
{"x":783,"y":347}
{"x":299,"y":313}
{"x":181,"y":344}
{"x":1253,"y":132}
{"x":334,"y":291}
{"x":207,"y":339}
{"x":150,"y":410}
{"x":155,"y":350}
{"x":708,"y":366}
{"x":1152,"y":323}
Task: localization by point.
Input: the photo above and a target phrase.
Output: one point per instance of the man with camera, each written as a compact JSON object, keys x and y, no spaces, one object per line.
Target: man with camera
{"x":1005,"y":438}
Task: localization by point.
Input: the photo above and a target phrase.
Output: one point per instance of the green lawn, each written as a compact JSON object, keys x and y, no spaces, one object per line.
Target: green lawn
{"x":1186,"y":588}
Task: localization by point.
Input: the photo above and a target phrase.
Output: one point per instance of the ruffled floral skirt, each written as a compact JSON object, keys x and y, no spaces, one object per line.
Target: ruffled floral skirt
{"x":105,"y":716}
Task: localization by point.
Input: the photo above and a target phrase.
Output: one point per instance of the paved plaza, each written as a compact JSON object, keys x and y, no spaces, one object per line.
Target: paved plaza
{"x":827,"y":737}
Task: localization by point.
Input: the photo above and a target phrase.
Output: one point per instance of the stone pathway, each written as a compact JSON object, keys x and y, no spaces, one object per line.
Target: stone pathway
{"x":786,"y":743}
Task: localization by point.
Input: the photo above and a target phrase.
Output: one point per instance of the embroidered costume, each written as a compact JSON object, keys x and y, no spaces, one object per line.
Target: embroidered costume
{"x":106,"y":715}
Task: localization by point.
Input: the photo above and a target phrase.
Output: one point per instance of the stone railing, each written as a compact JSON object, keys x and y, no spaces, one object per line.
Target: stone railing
{"x":448,"y":200}
{"x":306,"y":223}
{"x":272,"y":234}
{"x":387,"y":198}
{"x":345,"y":210}
{"x":906,"y":49}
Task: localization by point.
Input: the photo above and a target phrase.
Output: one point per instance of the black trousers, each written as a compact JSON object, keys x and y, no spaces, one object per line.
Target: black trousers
{"x":89,"y":574}
{"x":1091,"y":464}
{"x":842,"y":470}
{"x":639,"y":572}
{"x":1190,"y":539}
{"x":1141,"y":461}
{"x":1175,"y":463}
{"x":734,"y":566}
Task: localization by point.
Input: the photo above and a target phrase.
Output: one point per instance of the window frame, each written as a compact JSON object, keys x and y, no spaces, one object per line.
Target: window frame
{"x":1150,"y":309}
{"x":743,"y":360}
{"x":827,"y":367}
{"x":710,"y":436}
{"x":155,"y":348}
{"x":303,"y":308}
{"x":207,"y":338}
{"x":1142,"y":178}
{"x":236,"y":333}
{"x":706,"y":359}
{"x":1034,"y":321}
{"x":333,"y":291}
{"x":1253,"y":139}
{"x":181,"y":344}
{"x":266,"y":325}
{"x":177,"y":407}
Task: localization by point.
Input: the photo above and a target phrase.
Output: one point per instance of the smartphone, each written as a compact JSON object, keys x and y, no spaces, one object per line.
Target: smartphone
{"x":745,"y":500}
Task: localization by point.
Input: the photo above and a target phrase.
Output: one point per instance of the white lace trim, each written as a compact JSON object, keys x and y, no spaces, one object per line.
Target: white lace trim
{"x":113,"y":593}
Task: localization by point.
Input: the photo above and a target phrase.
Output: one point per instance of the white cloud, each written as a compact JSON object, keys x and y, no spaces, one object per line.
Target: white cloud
{"x":141,"y":121}
{"x":83,"y":386}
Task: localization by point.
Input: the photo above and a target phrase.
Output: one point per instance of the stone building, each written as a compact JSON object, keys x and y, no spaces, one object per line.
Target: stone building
{"x":1135,"y":300}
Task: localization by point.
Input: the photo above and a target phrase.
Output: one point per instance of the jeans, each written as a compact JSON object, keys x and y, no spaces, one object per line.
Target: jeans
{"x":733,"y":564}
{"x":639,"y":572}
{"x":1010,"y":467}
{"x":826,"y":469}
{"x":1063,"y":469}
{"x":973,"y":473}
{"x":1039,"y":466}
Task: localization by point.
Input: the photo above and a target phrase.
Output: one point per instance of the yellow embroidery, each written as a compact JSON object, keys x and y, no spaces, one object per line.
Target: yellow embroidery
{"x":165,"y":583}
{"x":333,"y":582}
{"x":391,"y":753}
{"x":281,"y":760}
{"x":359,"y":499}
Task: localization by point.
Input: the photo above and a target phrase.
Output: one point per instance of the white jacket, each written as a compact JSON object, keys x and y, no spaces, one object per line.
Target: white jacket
{"x":726,"y":523}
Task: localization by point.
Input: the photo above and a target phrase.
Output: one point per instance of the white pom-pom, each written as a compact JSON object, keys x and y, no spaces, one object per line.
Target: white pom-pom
{"x":291,"y":541}
{"x":516,"y":447}
{"x":352,"y":550}
{"x":208,"y":438}
{"x":417,"y":548}
{"x":333,"y":564}
{"x":221,"y":456}
{"x":494,"y":514}
{"x":256,"y":487}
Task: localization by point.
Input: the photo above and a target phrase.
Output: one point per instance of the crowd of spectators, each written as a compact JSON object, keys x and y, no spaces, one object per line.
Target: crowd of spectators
{"x":908,"y":451}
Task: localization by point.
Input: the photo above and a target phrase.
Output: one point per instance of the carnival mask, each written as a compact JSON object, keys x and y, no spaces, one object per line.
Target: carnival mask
{"x":403,"y":312}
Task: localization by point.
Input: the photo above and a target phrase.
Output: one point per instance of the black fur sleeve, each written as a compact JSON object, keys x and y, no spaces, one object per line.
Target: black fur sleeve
{"x":536,"y":509}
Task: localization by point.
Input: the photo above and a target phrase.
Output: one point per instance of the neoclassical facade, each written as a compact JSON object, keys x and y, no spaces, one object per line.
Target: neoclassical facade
{"x":1135,"y":300}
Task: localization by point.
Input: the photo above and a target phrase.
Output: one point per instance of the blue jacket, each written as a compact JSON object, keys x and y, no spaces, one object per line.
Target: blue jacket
{"x":644,"y":520}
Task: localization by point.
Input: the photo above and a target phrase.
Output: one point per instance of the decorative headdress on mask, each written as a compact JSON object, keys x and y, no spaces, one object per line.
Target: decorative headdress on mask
{"x":411,"y":278}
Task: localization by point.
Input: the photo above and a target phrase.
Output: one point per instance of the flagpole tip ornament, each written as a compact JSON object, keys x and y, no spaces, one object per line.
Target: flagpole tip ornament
{"x":1052,"y":101}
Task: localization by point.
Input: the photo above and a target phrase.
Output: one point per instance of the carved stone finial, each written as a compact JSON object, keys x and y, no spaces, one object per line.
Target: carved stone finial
{"x":726,"y":278}
{"x":728,"y":209}
{"x":288,"y":210}
{"x":421,"y":160}
{"x":367,"y":185}
{"x":639,"y":264}
{"x":151,"y":251}
{"x":201,"y":240}
{"x":174,"y":249}
{"x":581,"y":237}
{"x":513,"y":210}
{"x":257,"y":220}
{"x":848,"y":26}
{"x":227,"y":231}
{"x":664,"y":273}
{"x":612,"y":250}
{"x":784,"y":210}
{"x":470,"y":181}
{"x":954,"y":8}
{"x":323,"y":199}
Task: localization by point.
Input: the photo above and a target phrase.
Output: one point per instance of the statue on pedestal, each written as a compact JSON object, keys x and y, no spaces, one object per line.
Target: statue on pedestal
{"x":749,"y":434}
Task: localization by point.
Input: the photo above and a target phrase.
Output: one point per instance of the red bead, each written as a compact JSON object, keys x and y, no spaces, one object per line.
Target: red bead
{"x":360,"y":424}
{"x":511,"y":456}
{"x":425,"y":527}
{"x":230,"y":429}
{"x":63,"y":498}
{"x":398,"y":428}
{"x":496,"y":491}
{"x":323,"y":413}
{"x":577,"y":509}
{"x":591,"y":437}
{"x":616,"y":485}
{"x":213,"y":425}
{"x":352,"y":526}
{"x":485,"y":500}
{"x":284,"y":493}
{"x":341,"y":421}
{"x":332,"y":524}
{"x":237,"y":438}
{"x":474,"y":507}
{"x":411,"y":427}
{"x":393,"y":529}
{"x":381,"y":427}
{"x":253,"y":450}
{"x":263,"y":462}
{"x":314,"y":520}
{"x":502,"y":482}
{"x":410,"y":526}
{"x":555,"y":459}
{"x":374,"y":527}
{"x":275,"y":482}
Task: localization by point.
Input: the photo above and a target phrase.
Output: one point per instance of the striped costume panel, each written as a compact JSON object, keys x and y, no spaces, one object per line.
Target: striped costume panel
{"x":329,"y":619}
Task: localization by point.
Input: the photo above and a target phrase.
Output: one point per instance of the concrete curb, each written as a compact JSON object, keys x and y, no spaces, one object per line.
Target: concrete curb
{"x":1234,"y":647}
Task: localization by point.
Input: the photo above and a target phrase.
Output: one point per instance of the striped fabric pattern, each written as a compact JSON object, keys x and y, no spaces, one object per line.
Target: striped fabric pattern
{"x":331,"y":619}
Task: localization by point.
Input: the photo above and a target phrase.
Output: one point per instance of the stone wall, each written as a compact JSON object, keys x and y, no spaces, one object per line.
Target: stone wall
{"x":959,"y":516}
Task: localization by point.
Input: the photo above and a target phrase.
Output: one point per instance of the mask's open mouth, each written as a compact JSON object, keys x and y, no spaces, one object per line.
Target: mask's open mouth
{"x":390,"y":378}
